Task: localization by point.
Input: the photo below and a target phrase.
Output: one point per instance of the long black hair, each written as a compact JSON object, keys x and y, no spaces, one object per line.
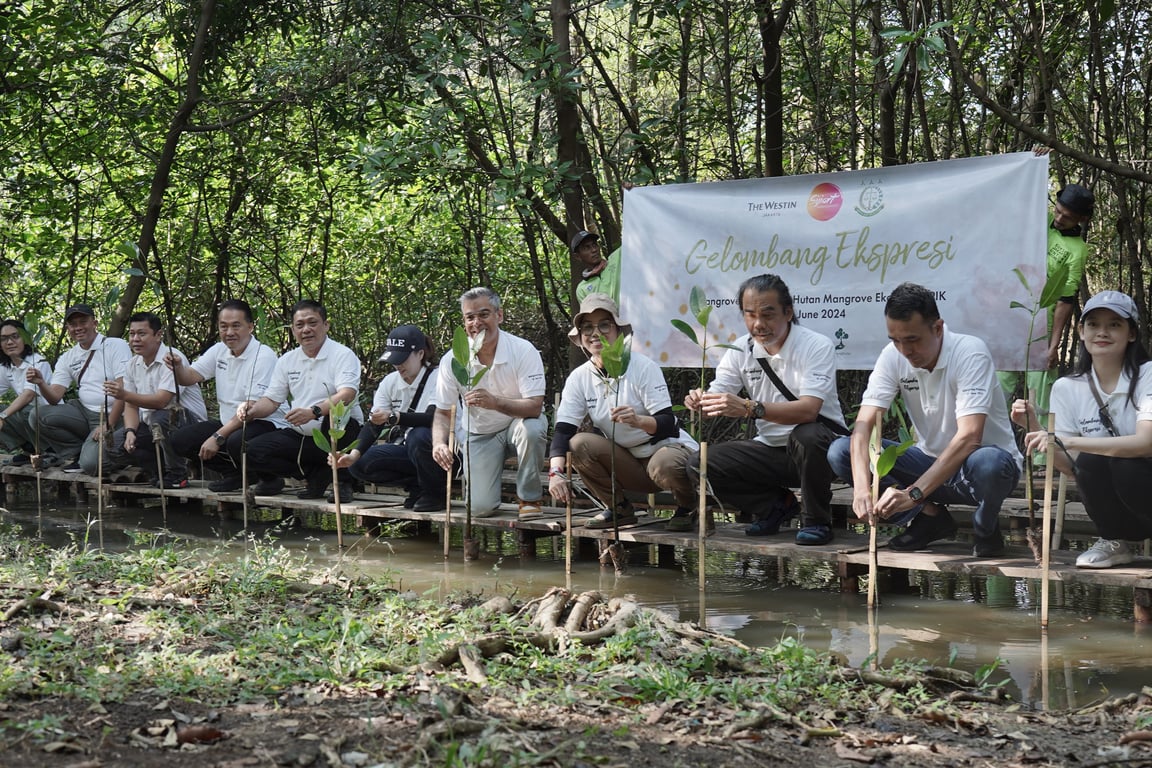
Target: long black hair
{"x":4,"y":359}
{"x":1135,"y":355}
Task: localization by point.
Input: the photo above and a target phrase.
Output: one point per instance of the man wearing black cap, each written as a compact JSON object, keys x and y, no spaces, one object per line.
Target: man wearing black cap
{"x":70,"y":428}
{"x":600,"y":275}
{"x":1071,"y":210}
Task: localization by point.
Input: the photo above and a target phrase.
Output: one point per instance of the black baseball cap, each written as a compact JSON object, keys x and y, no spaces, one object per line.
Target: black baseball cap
{"x":78,"y":309}
{"x":580,"y":237}
{"x":403,"y":341}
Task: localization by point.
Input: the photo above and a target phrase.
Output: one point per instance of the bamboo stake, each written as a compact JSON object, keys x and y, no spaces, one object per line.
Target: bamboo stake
{"x":874,"y":451}
{"x":100,"y":475}
{"x":160,"y":474}
{"x":336,"y":493}
{"x":1045,"y":559}
{"x":568,"y":518}
{"x":702,"y":529}
{"x":1061,"y":501}
{"x":448,"y":499}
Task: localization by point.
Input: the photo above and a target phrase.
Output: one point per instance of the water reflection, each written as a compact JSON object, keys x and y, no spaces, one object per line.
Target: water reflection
{"x":1092,"y":649}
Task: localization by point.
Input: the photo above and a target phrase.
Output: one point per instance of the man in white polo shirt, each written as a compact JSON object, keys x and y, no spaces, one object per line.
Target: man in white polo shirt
{"x":502,"y":415}
{"x":241,"y":366}
{"x":151,"y":396}
{"x":70,"y":428}
{"x":317,"y":373}
{"x":965,"y":451}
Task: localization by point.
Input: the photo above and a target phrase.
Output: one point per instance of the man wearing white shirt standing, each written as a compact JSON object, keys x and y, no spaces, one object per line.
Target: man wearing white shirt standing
{"x":965,"y":451}
{"x":502,"y":414}
{"x":241,"y":366}
{"x":151,"y":398}
{"x":313,"y":376}
{"x":71,"y":428}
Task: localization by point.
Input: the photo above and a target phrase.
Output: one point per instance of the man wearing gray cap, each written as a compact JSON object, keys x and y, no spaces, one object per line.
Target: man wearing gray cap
{"x":71,"y":428}
{"x":600,"y":275}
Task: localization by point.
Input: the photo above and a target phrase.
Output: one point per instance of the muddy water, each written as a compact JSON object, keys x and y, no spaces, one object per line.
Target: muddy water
{"x":983,"y":624}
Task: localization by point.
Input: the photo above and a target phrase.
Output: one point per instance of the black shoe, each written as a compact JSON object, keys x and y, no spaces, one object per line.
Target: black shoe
{"x":923,"y":530}
{"x":226,"y":484}
{"x":783,"y":510}
{"x":428,"y":504}
{"x":988,"y":546}
{"x":269,"y":486}
{"x":19,"y":460}
{"x":347,"y":494}
{"x":412,"y":498}
{"x":171,"y":483}
{"x":72,"y":468}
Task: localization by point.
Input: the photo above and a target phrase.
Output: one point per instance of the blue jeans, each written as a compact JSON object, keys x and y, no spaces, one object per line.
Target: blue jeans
{"x":409,"y":464}
{"x":985,"y":479}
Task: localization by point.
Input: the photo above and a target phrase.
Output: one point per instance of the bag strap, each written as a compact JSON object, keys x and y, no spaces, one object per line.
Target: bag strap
{"x":1105,"y":414}
{"x":821,"y":418}
{"x":419,"y":389}
{"x":88,"y":362}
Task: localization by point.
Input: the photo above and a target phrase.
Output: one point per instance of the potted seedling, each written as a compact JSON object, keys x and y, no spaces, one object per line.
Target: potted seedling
{"x":338,"y":414}
{"x":615,"y":357}
{"x":468,"y":374}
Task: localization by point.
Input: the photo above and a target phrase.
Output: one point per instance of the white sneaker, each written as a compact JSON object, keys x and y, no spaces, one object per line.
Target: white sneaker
{"x":1105,"y":553}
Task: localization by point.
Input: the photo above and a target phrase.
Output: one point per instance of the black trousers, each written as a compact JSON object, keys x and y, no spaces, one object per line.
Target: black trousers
{"x":1116,"y":493}
{"x":750,"y":475}
{"x":186,"y":442}
{"x":287,"y":453}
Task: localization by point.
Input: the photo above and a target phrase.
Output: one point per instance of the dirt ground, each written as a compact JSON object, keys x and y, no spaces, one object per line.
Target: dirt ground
{"x":427,"y":724}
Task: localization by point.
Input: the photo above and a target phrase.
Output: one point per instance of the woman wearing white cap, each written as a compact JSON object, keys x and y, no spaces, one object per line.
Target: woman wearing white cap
{"x":648,"y":442}
{"x":1104,"y":427}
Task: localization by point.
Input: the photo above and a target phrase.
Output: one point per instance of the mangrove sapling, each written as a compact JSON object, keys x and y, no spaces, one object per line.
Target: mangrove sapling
{"x":338,"y":415}
{"x":1049,"y":296}
{"x":468,"y":374}
{"x":615,"y":358}
{"x":881,"y":460}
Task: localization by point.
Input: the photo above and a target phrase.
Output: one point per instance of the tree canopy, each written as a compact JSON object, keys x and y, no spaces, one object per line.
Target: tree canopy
{"x":383,"y":156}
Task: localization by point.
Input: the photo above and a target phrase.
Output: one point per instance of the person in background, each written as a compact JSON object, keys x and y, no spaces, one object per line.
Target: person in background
{"x":600,"y":275}
{"x":1104,"y":427}
{"x":17,"y":432}
{"x":70,"y":429}
{"x":242,"y":367}
{"x":648,"y":443}
{"x":403,"y":408}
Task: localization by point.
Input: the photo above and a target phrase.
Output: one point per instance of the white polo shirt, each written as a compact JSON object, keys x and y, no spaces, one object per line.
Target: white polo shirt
{"x":963,"y":383}
{"x":1078,"y":414}
{"x":309,"y":381}
{"x":147,"y":379}
{"x":806,"y":364}
{"x":642,"y":387}
{"x":15,"y":377}
{"x":109,"y":361}
{"x":240,"y":378}
{"x":517,"y":371}
{"x":394,"y":394}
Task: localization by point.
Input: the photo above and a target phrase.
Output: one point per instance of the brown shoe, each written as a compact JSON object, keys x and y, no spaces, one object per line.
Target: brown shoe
{"x":529,"y":509}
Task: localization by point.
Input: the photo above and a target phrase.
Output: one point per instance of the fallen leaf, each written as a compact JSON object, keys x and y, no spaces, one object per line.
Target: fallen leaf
{"x":199,"y":734}
{"x":62,"y":746}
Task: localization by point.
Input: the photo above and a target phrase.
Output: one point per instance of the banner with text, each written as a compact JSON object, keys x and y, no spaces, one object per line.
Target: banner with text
{"x":842,"y":241}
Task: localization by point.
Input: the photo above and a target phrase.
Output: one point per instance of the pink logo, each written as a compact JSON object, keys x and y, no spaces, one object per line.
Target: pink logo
{"x":824,"y":202}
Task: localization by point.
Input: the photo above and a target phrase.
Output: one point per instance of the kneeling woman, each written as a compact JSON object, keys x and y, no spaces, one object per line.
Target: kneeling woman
{"x":634,"y":412}
{"x":1104,"y":427}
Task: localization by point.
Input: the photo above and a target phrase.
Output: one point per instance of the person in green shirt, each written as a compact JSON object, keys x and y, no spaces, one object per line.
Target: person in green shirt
{"x":600,"y":275}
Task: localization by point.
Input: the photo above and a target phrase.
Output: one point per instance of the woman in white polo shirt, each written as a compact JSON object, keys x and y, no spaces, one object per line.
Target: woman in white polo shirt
{"x":648,"y":442}
{"x":1104,"y":427}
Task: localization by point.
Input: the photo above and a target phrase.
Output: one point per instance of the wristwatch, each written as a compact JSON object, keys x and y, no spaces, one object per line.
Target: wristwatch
{"x":317,"y":412}
{"x":915,"y":494}
{"x":220,"y":439}
{"x":758,"y":410}
{"x":393,"y":419}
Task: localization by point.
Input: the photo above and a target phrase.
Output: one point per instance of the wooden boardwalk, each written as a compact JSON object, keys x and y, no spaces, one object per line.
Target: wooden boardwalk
{"x":848,"y":552}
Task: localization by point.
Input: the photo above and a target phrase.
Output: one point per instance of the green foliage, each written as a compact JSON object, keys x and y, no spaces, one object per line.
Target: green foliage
{"x":464,"y":351}
{"x":339,"y":413}
{"x":616,"y":356}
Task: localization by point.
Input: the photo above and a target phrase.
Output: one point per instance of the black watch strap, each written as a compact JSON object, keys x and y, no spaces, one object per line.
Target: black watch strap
{"x":317,"y":412}
{"x":915,"y":494}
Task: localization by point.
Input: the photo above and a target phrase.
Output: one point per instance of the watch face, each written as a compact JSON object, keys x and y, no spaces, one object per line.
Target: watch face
{"x":915,"y":493}
{"x":758,"y":410}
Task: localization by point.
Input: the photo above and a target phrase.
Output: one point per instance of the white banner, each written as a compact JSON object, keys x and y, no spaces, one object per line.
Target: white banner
{"x":842,"y":241}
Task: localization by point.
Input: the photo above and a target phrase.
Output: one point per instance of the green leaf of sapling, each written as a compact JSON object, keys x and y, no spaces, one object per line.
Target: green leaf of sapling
{"x":685,"y":329}
{"x":321,"y":441}
{"x":1054,"y":287}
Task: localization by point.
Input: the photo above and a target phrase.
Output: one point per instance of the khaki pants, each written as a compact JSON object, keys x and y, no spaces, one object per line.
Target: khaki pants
{"x":663,"y":470}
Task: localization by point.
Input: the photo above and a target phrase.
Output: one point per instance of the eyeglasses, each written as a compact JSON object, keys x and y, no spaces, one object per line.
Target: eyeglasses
{"x":603,"y":327}
{"x":10,"y":337}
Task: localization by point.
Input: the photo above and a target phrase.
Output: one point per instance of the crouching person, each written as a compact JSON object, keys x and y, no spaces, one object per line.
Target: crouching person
{"x":965,"y":451}
{"x":636,"y":432}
